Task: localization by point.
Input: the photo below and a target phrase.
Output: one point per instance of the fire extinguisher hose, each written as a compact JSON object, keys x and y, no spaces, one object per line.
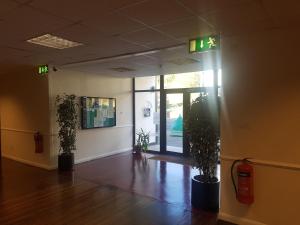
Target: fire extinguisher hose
{"x":232,"y":167}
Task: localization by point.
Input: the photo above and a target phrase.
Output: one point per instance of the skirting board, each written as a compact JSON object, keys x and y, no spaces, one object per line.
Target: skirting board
{"x":28,"y":162}
{"x":238,"y":220}
{"x":53,"y":167}
{"x":78,"y":161}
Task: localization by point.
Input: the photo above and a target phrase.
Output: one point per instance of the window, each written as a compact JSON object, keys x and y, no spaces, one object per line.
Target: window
{"x":191,"y":80}
{"x":147,"y":83}
{"x":147,"y":116}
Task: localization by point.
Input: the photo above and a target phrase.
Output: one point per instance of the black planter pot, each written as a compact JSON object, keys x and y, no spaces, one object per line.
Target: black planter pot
{"x":205,"y":196}
{"x":137,"y":150}
{"x":66,"y":162}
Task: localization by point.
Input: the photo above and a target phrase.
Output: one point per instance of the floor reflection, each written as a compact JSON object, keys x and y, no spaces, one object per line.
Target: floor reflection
{"x":166,"y":181}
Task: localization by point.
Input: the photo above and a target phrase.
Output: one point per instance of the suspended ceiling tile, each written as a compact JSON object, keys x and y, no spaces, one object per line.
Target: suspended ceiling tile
{"x":72,"y":10}
{"x":6,"y":6}
{"x":205,"y":6}
{"x":76,"y":10}
{"x":145,"y":60}
{"x":191,"y":27}
{"x":145,"y":36}
{"x":24,"y":23}
{"x":238,"y":19}
{"x":23,"y":1}
{"x":164,"y":44}
{"x":80,"y":33}
{"x":34,"y":49}
{"x":156,"y":12}
{"x":284,"y":13}
{"x":171,"y":53}
{"x":13,"y":54}
{"x":113,"y":24}
{"x":108,"y":48}
{"x":114,"y":46}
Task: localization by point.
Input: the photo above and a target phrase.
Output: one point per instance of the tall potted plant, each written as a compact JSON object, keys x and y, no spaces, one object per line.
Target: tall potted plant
{"x":67,"y":119}
{"x":203,"y":132}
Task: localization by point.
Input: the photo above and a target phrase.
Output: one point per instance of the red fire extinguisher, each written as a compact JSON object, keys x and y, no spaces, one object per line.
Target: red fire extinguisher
{"x":38,"y":140}
{"x":244,"y":188}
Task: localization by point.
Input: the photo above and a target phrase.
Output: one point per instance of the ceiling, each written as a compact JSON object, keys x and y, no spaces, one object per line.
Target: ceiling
{"x":119,"y":36}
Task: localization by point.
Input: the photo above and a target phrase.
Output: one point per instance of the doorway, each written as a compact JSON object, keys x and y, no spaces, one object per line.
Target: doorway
{"x":161,"y":104}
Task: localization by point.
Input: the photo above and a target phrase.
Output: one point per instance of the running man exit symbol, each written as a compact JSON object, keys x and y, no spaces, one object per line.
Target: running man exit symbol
{"x":44,"y":69}
{"x":203,"y":44}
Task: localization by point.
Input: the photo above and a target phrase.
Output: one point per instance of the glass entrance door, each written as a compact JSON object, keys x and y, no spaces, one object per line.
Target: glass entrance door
{"x":177,"y":106}
{"x":174,"y":122}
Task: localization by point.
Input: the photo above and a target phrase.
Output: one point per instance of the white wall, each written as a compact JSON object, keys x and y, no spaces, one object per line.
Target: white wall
{"x":24,"y":111}
{"x":94,"y":142}
{"x":261,"y":119}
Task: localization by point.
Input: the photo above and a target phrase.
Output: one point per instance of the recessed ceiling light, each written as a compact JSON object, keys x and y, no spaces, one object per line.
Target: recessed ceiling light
{"x":52,"y":41}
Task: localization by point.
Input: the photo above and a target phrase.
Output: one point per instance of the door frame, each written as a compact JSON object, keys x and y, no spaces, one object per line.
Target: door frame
{"x":186,"y":92}
{"x":186,"y":106}
{"x":163,"y":128}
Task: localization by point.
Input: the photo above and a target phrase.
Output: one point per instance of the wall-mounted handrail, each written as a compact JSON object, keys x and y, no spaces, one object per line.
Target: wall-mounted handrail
{"x":281,"y":165}
{"x":34,"y":131}
{"x":18,"y":130}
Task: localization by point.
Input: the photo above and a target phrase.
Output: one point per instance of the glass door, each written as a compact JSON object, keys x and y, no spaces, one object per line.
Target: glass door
{"x":174,"y":122}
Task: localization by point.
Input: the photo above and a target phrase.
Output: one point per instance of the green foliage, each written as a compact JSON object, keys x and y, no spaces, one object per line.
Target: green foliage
{"x":143,"y":140}
{"x":67,"y":119}
{"x":202,"y":129}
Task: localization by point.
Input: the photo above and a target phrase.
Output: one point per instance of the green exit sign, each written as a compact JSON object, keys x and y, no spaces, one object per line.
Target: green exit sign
{"x":44,"y":69}
{"x":204,"y":44}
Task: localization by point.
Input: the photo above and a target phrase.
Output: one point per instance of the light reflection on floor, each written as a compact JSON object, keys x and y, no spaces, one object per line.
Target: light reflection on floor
{"x":165,"y":181}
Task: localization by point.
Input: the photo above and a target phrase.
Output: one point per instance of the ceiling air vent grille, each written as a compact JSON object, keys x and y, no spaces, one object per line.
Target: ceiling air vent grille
{"x":122,"y":69}
{"x":183,"y":61}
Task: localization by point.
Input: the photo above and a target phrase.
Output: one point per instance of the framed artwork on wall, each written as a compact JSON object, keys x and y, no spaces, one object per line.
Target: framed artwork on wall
{"x":98,"y":112}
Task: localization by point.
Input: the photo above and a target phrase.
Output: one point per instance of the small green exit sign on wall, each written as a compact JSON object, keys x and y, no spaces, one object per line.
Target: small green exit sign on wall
{"x":204,"y":44}
{"x":44,"y":69}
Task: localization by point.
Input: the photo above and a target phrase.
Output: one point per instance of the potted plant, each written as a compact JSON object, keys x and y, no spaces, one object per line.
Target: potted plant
{"x":67,"y":119}
{"x":142,"y":142}
{"x":203,"y":132}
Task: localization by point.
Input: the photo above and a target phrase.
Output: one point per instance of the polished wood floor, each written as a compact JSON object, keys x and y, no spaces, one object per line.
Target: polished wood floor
{"x":118,"y":190}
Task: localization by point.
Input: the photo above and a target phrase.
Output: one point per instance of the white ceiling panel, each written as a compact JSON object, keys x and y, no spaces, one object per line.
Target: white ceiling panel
{"x":108,"y":69}
{"x":23,"y":1}
{"x":190,"y":27}
{"x":80,"y":33}
{"x":168,"y":54}
{"x":164,"y":44}
{"x":6,"y":6}
{"x":13,"y":54}
{"x":284,"y":13}
{"x":205,"y":6}
{"x":76,"y":10}
{"x":145,"y":36}
{"x":32,"y":48}
{"x":109,"y":28}
{"x":154,"y":12}
{"x":239,"y":19}
{"x":106,"y":48}
{"x":113,"y":24}
{"x":24,"y":23}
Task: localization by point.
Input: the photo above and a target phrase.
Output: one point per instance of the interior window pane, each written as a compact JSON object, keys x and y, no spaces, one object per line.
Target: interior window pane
{"x":190,"y":80}
{"x":174,"y":126}
{"x":219,"y":77}
{"x":147,"y":83}
{"x":147,"y":116}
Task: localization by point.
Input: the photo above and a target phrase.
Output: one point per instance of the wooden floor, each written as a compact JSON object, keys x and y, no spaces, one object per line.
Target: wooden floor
{"x":119,"y":190}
